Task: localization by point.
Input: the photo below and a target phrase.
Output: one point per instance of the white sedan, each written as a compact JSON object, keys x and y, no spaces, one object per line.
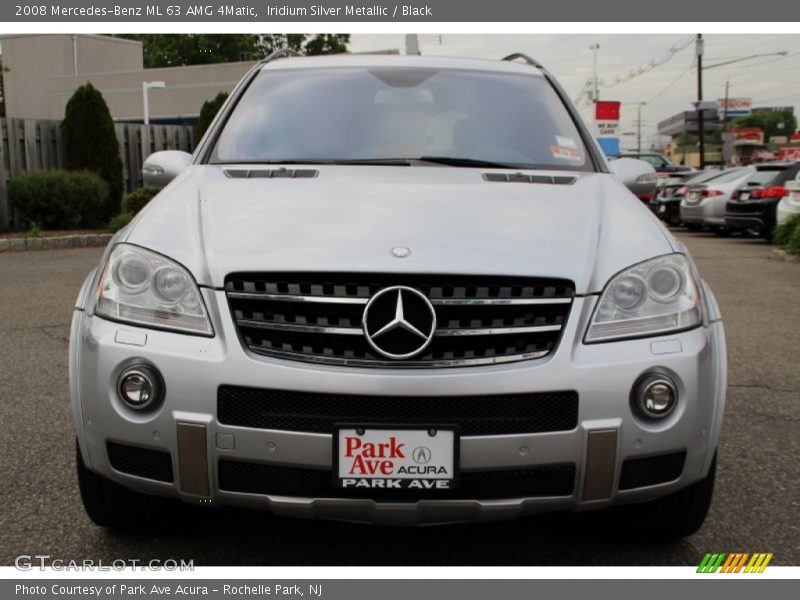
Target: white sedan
{"x":790,"y":203}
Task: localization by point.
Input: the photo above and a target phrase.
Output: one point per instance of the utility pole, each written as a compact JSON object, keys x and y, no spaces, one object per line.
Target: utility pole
{"x":725,"y":108}
{"x":639,"y":129}
{"x":596,"y":91}
{"x":726,"y":143}
{"x":700,"y":129}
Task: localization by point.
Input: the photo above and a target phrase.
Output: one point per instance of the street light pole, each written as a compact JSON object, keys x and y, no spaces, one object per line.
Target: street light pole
{"x":700,"y":125}
{"x":596,"y":92}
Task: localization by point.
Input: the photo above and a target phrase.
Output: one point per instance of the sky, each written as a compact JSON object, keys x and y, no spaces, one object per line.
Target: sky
{"x":668,"y":79}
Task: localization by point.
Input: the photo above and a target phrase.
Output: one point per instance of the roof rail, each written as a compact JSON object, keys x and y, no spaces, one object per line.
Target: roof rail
{"x":526,"y":58}
{"x":280,"y":53}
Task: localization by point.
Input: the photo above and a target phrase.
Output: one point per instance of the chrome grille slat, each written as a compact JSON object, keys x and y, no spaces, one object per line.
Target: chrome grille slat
{"x":435,"y":301}
{"x":317,"y":317}
{"x":496,"y":330}
{"x":292,"y":298}
{"x":301,"y":328}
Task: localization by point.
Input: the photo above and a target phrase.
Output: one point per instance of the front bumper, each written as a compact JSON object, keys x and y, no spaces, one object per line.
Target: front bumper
{"x":193,"y":368}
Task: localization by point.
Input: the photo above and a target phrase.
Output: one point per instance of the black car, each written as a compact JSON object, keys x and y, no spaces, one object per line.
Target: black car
{"x":754,"y":204}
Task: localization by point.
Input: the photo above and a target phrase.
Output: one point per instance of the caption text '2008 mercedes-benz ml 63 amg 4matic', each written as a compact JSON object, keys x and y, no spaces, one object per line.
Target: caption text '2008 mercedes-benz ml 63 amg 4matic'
{"x":398,"y":290}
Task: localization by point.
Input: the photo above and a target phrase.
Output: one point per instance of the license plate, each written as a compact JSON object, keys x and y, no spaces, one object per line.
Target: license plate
{"x":744,"y":196}
{"x":378,"y":457}
{"x":693,"y":197}
{"x":662,"y":208}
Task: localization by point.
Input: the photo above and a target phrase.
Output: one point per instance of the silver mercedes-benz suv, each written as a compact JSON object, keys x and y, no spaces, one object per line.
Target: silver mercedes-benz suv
{"x":398,"y":290}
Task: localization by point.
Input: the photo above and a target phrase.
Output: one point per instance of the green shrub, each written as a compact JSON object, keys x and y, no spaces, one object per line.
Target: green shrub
{"x":136,"y":200}
{"x":59,"y":199}
{"x":34,"y":231}
{"x":784,"y":231}
{"x":90,"y":142}
{"x":793,"y":243}
{"x":208,"y":111}
{"x":120,"y":221}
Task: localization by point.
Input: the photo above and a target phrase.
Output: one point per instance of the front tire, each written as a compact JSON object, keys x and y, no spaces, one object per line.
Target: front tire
{"x":670,"y":518}
{"x":113,"y":506}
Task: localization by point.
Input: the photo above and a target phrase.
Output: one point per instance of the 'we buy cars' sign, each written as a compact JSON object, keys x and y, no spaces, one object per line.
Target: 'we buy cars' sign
{"x":606,"y":118}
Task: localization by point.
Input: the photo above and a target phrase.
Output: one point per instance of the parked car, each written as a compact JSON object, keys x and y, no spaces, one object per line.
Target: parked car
{"x":703,"y":204}
{"x":753,"y":207}
{"x":666,"y":203}
{"x":400,"y":290}
{"x":660,"y":163}
{"x":790,"y":203}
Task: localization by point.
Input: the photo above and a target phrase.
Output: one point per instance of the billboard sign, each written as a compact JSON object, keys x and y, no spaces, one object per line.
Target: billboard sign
{"x":735,"y":107}
{"x":606,"y":118}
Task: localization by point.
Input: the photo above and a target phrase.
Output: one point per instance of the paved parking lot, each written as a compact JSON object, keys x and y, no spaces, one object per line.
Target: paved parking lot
{"x":755,"y":509}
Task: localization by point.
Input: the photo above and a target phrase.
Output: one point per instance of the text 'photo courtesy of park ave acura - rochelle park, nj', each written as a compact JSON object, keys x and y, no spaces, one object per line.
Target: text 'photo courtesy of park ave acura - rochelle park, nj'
{"x":400,"y":299}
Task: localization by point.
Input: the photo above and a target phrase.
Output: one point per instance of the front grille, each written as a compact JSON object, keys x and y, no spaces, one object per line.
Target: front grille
{"x":259,"y":478}
{"x":652,"y":470}
{"x":473,"y":415}
{"x":142,"y":462}
{"x":318,"y":317}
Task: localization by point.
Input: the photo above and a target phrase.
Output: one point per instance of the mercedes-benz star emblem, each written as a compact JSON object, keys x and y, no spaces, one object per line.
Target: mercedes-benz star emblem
{"x":399,"y":322}
{"x":421,"y":455}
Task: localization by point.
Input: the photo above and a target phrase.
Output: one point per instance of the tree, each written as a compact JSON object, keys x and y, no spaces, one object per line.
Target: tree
{"x":201,"y":48}
{"x":208,"y":111}
{"x":770,"y":122}
{"x":90,"y":142}
{"x":3,"y":69}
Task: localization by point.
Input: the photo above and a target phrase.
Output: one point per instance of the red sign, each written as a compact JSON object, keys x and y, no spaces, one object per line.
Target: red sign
{"x":605,"y":110}
{"x":789,"y":154}
{"x":748,"y":134}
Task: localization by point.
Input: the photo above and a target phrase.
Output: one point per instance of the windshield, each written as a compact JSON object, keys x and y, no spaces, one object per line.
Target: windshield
{"x":343,"y":114}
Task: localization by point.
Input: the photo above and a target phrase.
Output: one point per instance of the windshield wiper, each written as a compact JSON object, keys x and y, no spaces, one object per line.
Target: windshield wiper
{"x":392,"y":162}
{"x":455,"y":161}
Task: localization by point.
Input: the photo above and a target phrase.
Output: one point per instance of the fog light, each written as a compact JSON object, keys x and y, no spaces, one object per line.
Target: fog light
{"x":140,"y":387}
{"x":654,"y":396}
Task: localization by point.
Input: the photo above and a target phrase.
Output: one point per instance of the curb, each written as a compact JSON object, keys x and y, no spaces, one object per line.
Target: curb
{"x":778,"y":254}
{"x":54,"y":243}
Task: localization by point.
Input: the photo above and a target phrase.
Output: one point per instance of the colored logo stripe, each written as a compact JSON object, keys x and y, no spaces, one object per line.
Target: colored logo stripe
{"x":734,"y":562}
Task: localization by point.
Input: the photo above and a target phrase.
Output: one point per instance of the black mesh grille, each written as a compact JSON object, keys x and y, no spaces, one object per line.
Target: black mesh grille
{"x":317,"y":317}
{"x":142,"y":462}
{"x":258,"y":478}
{"x":641,"y":472}
{"x":473,"y":415}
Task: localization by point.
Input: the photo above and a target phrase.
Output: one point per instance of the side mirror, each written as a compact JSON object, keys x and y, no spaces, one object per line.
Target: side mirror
{"x":636,"y":175}
{"x":162,"y":167}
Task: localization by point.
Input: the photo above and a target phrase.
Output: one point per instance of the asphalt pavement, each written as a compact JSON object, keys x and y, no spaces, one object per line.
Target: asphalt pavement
{"x":756,"y":506}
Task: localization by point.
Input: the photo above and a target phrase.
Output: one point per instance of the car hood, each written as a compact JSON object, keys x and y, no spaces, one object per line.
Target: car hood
{"x":348,"y":218}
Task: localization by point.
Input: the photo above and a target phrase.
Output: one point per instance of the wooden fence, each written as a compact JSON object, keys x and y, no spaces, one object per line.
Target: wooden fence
{"x":37,"y":144}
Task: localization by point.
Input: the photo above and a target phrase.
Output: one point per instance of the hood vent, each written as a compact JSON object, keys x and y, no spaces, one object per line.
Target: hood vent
{"x":522,"y":178}
{"x":281,"y":173}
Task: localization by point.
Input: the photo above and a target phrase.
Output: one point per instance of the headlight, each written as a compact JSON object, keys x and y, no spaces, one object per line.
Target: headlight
{"x":651,"y":298}
{"x":144,"y":288}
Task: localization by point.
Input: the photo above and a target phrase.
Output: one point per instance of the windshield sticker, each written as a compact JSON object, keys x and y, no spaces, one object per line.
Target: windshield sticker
{"x":565,"y":142}
{"x":565,"y":153}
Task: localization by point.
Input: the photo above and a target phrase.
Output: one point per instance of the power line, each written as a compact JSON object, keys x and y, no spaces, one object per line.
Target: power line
{"x":672,"y":83}
{"x":585,"y":92}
